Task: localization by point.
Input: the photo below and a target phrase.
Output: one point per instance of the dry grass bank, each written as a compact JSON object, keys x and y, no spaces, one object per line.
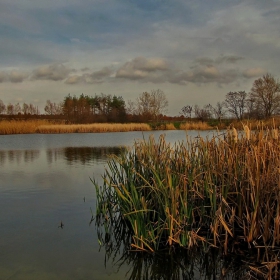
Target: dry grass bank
{"x":21,"y":127}
{"x":41,"y":126}
{"x":195,"y":126}
{"x":95,"y":127}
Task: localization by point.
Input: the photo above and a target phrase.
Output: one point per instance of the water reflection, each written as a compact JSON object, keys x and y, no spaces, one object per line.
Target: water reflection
{"x":197,"y":263}
{"x":18,"y":156}
{"x":82,"y":155}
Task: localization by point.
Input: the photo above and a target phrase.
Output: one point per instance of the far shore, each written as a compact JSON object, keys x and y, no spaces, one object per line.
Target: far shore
{"x":48,"y":127}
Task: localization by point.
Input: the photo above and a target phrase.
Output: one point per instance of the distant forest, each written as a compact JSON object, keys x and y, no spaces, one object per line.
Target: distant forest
{"x":262,"y":102}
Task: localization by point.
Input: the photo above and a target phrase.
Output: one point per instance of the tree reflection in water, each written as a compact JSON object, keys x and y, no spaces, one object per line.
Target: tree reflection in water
{"x":83,"y":155}
{"x":176,"y":263}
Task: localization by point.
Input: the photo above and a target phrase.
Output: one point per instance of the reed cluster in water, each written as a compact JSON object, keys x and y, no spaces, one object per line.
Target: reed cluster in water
{"x":220,"y":192}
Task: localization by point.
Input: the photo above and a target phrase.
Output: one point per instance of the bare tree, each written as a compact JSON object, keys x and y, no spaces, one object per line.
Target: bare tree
{"x":17,"y":109}
{"x":186,"y":111}
{"x":266,"y":92}
{"x":130,"y":108}
{"x":218,"y":111}
{"x":10,"y":109}
{"x":30,"y":109}
{"x":159,"y":103}
{"x":202,"y":114}
{"x":52,"y":108}
{"x":235,"y":102}
{"x":2,"y":107}
{"x":152,"y":104}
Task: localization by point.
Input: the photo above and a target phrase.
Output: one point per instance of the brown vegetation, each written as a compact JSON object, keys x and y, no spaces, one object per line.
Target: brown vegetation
{"x":41,"y":126}
{"x":95,"y":127}
{"x":195,"y":126}
{"x":21,"y":127}
{"x":221,"y":192}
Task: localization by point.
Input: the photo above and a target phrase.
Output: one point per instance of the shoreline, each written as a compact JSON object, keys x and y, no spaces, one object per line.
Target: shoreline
{"x":48,"y":127}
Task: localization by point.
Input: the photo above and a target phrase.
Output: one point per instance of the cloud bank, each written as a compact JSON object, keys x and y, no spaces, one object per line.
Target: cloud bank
{"x":203,"y":70}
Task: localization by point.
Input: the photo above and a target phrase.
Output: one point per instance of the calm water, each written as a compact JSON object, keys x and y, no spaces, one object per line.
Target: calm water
{"x":45,"y":179}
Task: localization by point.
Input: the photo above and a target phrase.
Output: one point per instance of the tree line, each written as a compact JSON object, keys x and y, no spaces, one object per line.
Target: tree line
{"x":99,"y":108}
{"x":15,"y":109}
{"x":263,"y":101}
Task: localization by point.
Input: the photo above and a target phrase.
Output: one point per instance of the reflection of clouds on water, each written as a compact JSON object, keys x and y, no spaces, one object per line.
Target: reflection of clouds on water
{"x":82,"y":155}
{"x":18,"y":156}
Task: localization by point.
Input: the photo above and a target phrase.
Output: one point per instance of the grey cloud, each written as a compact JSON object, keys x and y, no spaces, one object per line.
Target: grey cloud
{"x":253,"y":72}
{"x":14,"y":76}
{"x":204,"y":61}
{"x":54,"y":72}
{"x":140,"y":68}
{"x":229,"y":59}
{"x":226,"y":59}
{"x":17,"y":76}
{"x":104,"y":72}
{"x":90,"y":78}
{"x":75,"y":79}
{"x":3,"y":77}
{"x":204,"y":75}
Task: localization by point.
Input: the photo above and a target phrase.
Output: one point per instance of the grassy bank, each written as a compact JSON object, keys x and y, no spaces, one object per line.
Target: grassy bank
{"x":221,"y":192}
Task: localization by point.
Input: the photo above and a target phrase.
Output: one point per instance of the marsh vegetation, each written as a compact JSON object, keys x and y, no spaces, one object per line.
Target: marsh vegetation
{"x":220,"y":192}
{"x":42,"y":126}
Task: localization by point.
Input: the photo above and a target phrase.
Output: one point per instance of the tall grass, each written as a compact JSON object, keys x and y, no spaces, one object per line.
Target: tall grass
{"x":220,"y":192}
{"x":21,"y":127}
{"x":195,"y":126}
{"x":40,"y":126}
{"x":95,"y":127}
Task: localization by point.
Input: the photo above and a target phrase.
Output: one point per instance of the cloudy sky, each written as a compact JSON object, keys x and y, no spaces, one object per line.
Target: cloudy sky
{"x":194,"y":50}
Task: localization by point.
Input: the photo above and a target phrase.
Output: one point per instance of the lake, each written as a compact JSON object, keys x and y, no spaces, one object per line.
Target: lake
{"x":47,"y":201}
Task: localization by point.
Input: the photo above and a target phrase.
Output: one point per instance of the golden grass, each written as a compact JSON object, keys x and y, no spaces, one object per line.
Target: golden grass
{"x":41,"y":126}
{"x":21,"y":127}
{"x":95,"y":127}
{"x":256,"y":124}
{"x":195,"y":126}
{"x":170,"y":126}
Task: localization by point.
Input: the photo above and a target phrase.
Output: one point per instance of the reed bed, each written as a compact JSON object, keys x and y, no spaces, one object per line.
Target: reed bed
{"x":220,"y":192}
{"x":42,"y":126}
{"x":95,"y":127}
{"x":21,"y":127}
{"x":195,"y":126}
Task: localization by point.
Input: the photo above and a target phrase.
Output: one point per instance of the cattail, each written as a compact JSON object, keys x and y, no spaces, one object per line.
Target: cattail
{"x":247,"y":132}
{"x":274,"y":134}
{"x":234,"y":135}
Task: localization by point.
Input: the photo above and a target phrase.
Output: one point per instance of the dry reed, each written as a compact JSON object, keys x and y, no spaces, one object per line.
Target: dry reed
{"x":41,"y":126}
{"x":222,"y":192}
{"x":195,"y":126}
{"x":95,"y":127}
{"x":20,"y":127}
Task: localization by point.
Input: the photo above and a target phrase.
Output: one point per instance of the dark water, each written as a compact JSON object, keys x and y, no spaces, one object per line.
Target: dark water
{"x":45,"y":180}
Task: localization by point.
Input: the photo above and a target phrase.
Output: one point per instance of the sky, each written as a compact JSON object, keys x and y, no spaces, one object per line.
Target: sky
{"x":195,"y":51}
